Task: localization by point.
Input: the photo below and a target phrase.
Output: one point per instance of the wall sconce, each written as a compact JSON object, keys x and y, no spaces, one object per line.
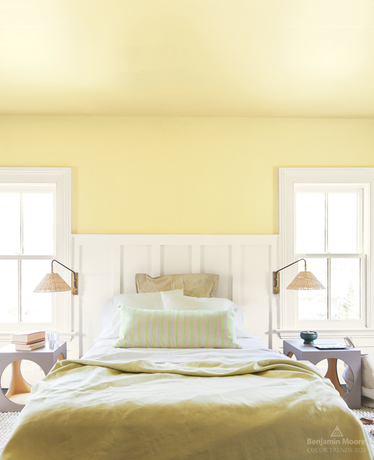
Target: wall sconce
{"x":304,"y":280}
{"x":52,"y":282}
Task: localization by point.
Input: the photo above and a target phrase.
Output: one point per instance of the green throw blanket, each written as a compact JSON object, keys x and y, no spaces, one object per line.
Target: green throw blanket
{"x":205,"y":410}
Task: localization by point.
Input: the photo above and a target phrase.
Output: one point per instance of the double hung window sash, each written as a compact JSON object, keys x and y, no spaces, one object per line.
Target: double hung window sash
{"x":329,"y":235}
{"x":27,"y":245}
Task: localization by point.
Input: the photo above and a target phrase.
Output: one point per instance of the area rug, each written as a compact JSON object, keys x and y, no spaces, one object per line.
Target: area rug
{"x":366,"y":412}
{"x":8,"y":421}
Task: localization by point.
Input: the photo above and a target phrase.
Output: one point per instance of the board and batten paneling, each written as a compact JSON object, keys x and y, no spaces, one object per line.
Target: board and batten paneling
{"x":107,"y":265}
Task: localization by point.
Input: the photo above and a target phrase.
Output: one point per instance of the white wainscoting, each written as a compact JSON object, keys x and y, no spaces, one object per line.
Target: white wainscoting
{"x":107,"y":265}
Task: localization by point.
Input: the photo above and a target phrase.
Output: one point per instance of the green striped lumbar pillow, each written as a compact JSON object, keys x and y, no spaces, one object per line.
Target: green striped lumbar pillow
{"x":177,"y":329}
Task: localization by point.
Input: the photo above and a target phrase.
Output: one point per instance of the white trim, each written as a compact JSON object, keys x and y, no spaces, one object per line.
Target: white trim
{"x":156,"y":260}
{"x":288,"y":177}
{"x":196,"y":258}
{"x":62,"y":178}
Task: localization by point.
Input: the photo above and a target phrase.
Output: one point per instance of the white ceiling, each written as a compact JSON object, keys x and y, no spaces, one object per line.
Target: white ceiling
{"x":263,"y":58}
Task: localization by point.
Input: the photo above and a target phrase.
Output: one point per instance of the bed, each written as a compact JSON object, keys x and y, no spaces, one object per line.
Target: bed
{"x":137,"y":403}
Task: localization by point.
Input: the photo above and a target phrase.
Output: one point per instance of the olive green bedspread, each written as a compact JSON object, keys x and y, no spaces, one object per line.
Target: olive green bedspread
{"x":206,"y":410}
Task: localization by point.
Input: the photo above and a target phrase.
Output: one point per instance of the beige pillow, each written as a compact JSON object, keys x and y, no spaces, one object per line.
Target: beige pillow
{"x":194,"y":285}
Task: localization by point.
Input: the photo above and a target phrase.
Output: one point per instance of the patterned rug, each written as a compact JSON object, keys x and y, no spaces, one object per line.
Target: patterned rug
{"x":8,"y":421}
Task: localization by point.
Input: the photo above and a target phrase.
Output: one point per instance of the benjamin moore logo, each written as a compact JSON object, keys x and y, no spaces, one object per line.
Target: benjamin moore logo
{"x":335,"y":445}
{"x":336,"y":433}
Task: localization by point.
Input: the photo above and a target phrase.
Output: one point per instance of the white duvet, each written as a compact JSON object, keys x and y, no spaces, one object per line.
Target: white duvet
{"x":104,"y":350}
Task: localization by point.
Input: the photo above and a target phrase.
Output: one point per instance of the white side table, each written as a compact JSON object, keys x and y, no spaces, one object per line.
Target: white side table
{"x":350,"y":356}
{"x":19,"y":389}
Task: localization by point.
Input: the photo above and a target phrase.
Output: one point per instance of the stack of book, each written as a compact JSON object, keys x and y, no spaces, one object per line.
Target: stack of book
{"x":29,"y":340}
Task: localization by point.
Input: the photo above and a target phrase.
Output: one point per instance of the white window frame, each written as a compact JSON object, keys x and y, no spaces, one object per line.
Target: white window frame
{"x":61,"y":302}
{"x":360,"y":178}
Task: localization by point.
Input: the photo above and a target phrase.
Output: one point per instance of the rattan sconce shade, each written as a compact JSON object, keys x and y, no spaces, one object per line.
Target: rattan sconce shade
{"x":305,"y":281}
{"x":52,"y":282}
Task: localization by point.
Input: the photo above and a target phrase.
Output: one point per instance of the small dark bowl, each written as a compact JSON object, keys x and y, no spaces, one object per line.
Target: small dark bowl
{"x":308,"y":337}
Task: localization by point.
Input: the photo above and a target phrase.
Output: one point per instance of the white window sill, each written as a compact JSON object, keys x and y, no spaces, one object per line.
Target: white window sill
{"x":7,"y":337}
{"x":327,"y":333}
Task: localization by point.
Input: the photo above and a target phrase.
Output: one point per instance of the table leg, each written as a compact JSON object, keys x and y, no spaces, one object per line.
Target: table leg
{"x":18,"y":385}
{"x":332,"y":374}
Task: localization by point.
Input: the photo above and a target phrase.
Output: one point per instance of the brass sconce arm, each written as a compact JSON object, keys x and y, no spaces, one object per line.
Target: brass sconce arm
{"x":52,"y":282}
{"x":276,"y":278}
{"x":74,"y":277}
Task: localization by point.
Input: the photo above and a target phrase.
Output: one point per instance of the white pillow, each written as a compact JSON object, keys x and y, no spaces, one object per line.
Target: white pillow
{"x":177,"y":329}
{"x":173,"y":302}
{"x":110,"y":313}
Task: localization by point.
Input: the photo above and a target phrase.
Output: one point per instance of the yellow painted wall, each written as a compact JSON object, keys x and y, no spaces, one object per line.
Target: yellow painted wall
{"x":181,"y":175}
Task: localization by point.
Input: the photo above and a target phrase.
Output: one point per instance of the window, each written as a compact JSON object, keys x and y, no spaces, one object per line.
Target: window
{"x":325,"y":218}
{"x":35,"y":214}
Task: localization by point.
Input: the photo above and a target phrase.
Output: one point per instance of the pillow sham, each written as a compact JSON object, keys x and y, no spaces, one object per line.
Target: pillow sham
{"x":176,"y":329}
{"x":110,"y":314}
{"x":195,"y":284}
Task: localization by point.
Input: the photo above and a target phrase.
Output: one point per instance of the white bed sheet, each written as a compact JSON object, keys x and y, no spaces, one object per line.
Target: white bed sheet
{"x":105,"y":351}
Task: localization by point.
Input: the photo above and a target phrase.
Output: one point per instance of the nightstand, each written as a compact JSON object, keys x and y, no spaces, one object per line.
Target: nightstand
{"x":351,"y":356}
{"x":19,"y":389}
